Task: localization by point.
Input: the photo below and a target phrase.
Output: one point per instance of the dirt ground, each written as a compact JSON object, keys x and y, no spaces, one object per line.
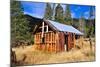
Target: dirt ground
{"x":30,"y":56}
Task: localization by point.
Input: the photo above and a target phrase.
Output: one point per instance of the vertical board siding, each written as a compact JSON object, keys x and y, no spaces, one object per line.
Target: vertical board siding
{"x":49,"y":41}
{"x":71,"y":40}
{"x":54,"y":42}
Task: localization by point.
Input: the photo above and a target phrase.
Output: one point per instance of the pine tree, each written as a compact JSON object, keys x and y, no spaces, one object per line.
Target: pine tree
{"x":91,"y":14}
{"x":48,"y":12}
{"x":59,"y":14}
{"x":67,"y":15}
{"x":91,"y":29}
{"x":53,"y":14}
{"x":82,"y":24}
{"x":19,"y":24}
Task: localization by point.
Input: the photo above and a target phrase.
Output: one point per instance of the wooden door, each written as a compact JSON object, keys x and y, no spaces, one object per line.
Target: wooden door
{"x":66,"y":43}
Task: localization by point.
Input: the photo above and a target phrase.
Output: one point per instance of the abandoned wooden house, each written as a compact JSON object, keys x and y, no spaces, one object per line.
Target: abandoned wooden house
{"x":53,"y":36}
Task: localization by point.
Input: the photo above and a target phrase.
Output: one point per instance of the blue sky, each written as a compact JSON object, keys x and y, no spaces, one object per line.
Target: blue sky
{"x":37,"y":9}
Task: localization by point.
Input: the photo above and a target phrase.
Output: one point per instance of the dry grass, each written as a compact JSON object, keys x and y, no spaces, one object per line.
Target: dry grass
{"x":38,"y":57}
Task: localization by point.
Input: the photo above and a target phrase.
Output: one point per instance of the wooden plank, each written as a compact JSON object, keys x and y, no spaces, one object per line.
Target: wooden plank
{"x":51,"y":43}
{"x":44,"y":37}
{"x":42,"y":28}
{"x":48,"y":37}
{"x":47,"y":28}
{"x":56,"y":41}
{"x":39,"y":38}
{"x":58,"y":45}
{"x":74,"y":40}
{"x":34,"y":39}
{"x":52,"y":37}
{"x":68,"y":41}
{"x":60,"y":41}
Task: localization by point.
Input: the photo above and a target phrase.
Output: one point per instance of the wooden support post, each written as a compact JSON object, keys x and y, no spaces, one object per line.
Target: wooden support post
{"x":42,"y":28}
{"x":58,"y":42}
{"x":47,"y":28}
{"x":81,"y":41}
{"x":48,"y":37}
{"x":37,"y":38}
{"x":68,"y":41}
{"x":56,"y":38}
{"x":54,"y":42}
{"x":45,"y":41}
{"x":74,"y":41}
{"x":34,"y":39}
{"x":51,"y":41}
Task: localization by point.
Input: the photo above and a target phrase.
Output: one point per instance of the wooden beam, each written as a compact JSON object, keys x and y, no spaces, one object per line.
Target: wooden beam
{"x":42,"y":28}
{"x":68,"y":41}
{"x":46,"y":28}
{"x":74,"y":41}
{"x":56,"y":38}
{"x":51,"y":41}
{"x":34,"y":39}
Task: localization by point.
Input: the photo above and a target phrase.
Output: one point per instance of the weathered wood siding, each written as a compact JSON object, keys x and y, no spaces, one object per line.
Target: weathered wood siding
{"x":71,"y":40}
{"x":61,"y":41}
{"x":50,"y":41}
{"x":54,"y":42}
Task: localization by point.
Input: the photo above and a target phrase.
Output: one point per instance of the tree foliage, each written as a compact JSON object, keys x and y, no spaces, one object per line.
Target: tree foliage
{"x":53,"y":14}
{"x":48,"y":12}
{"x":92,"y":27}
{"x":81,"y":23}
{"x":19,"y":24}
{"x":67,"y":16}
{"x":59,"y":13}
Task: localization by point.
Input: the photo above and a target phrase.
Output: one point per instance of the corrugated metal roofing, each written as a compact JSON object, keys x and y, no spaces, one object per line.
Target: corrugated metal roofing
{"x":65,"y":28}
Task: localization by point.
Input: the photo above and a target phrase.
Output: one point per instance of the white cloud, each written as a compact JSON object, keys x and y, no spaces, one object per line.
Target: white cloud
{"x":86,"y":14}
{"x":72,"y":14}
